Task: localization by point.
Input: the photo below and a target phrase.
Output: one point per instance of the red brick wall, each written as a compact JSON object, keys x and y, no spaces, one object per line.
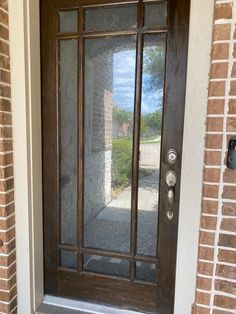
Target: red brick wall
{"x":7,"y":217}
{"x":216,"y":274}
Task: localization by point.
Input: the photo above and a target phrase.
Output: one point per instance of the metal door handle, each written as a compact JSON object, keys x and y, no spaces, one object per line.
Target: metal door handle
{"x":171,"y":200}
{"x":171,"y":179}
{"x":171,"y":196}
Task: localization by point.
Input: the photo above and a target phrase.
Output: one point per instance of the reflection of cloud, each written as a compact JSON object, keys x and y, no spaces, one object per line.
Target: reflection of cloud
{"x":151,"y":102}
{"x":124,"y":79}
{"x":124,"y":84}
{"x":125,"y":58}
{"x":123,"y":89}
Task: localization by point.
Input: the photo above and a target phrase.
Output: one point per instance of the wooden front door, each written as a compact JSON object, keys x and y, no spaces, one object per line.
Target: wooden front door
{"x":113,"y":94}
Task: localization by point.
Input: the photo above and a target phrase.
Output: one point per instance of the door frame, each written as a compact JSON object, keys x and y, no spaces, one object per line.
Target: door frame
{"x":25,"y":63}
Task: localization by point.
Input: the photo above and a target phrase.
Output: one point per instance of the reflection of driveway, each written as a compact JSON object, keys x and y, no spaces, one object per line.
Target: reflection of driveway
{"x":110,"y":229}
{"x":150,"y":155}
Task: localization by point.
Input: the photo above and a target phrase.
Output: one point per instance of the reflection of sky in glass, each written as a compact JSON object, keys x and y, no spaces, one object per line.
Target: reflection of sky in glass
{"x":124,"y":79}
{"x":151,"y":101}
{"x":123,"y":84}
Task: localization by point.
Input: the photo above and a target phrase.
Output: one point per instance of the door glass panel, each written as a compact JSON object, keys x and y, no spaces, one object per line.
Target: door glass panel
{"x":106,"y":265}
{"x":68,"y":259}
{"x":109,"y":108}
{"x":68,"y":139}
{"x":68,"y":21}
{"x":155,"y":14}
{"x":146,"y":271}
{"x":111,"y":18}
{"x":150,"y":142}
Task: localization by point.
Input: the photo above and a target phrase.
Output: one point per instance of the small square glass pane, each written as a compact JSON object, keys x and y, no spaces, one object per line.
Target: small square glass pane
{"x":68,"y":21}
{"x":146,"y":271}
{"x":68,"y":259}
{"x":106,"y":265}
{"x":155,"y":14}
{"x":111,"y":18}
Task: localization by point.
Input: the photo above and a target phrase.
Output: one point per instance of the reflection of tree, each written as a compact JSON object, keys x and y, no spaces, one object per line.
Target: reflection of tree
{"x":153,"y":69}
{"x":124,"y":119}
{"x":151,"y":122}
{"x":154,"y":65}
{"x":121,"y":115}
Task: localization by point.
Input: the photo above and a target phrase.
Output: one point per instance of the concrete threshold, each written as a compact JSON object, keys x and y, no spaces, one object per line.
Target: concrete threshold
{"x":56,"y":305}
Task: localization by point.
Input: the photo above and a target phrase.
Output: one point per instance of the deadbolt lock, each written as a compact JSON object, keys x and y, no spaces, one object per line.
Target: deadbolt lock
{"x":172,"y":156}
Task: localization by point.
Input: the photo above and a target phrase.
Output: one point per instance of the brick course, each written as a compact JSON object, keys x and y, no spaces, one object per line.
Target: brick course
{"x":216,"y":274}
{"x":8,"y":299}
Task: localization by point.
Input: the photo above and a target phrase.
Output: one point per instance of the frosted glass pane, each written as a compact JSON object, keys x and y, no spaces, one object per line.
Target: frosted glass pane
{"x":150,"y":142}
{"x":68,"y":21}
{"x":109,"y":109}
{"x":68,"y":259}
{"x":155,"y":14}
{"x":111,"y":18}
{"x":106,"y":265}
{"x":146,"y":271}
{"x":68,"y":140}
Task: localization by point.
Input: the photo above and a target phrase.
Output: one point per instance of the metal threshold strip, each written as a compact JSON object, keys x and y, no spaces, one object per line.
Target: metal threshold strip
{"x":56,"y":305}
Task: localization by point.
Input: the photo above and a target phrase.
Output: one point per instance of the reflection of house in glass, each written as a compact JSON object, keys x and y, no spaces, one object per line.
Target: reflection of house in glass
{"x":121,"y":130}
{"x":113,"y":127}
{"x":121,"y":127}
{"x":108,"y":134}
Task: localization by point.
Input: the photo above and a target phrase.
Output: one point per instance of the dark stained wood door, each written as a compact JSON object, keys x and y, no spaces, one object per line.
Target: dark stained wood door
{"x":113,"y":95}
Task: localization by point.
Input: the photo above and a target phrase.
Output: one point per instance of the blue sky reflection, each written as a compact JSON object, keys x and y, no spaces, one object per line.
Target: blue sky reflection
{"x":123,"y":84}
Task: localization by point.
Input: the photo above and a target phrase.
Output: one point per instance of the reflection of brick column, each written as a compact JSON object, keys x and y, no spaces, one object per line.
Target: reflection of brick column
{"x":98,"y":131}
{"x":108,"y":104}
{"x":7,"y":217}
{"x":102,"y":100}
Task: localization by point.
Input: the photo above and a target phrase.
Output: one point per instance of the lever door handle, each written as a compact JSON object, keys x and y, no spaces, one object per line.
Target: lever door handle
{"x":171,"y":196}
{"x":171,"y":200}
{"x":171,"y":179}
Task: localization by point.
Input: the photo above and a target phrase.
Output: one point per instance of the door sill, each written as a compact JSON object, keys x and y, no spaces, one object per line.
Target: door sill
{"x":56,"y":305}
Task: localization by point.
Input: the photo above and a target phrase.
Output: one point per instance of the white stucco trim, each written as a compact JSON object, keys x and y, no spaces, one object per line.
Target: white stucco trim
{"x":26,"y":95}
{"x":25,"y":68}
